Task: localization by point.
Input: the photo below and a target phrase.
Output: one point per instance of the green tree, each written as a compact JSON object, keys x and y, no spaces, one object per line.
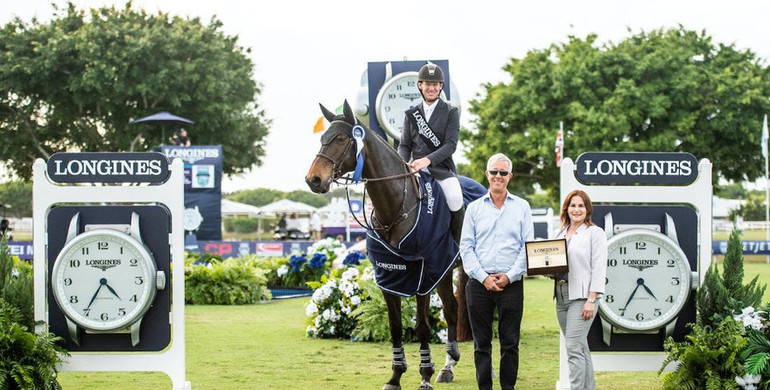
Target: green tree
{"x":752,"y":210}
{"x":731,"y":191}
{"x":77,"y":82}
{"x":666,"y":90}
{"x":17,"y":194}
{"x":257,"y":197}
{"x":307,"y":197}
{"x":719,"y":297}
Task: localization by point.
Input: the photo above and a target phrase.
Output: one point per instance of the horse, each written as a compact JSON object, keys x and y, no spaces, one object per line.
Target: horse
{"x":393,"y":189}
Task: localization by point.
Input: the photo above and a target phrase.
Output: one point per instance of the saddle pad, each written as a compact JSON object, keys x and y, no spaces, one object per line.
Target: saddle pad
{"x":424,"y":255}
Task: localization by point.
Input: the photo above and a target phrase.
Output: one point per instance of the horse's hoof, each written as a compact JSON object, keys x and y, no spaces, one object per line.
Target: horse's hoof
{"x":391,"y":387}
{"x":425,"y":386}
{"x":445,"y":376}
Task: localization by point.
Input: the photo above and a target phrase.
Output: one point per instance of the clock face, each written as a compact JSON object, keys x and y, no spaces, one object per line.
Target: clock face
{"x":648,"y":280}
{"x":104,"y":280}
{"x":395,"y":97}
{"x":192,"y":219}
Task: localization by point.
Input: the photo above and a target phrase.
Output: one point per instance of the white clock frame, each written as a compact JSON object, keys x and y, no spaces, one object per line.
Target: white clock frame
{"x":697,"y":194}
{"x":171,"y":194}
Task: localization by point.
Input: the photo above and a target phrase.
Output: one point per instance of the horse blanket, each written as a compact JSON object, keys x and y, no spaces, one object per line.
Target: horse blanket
{"x":424,"y":256}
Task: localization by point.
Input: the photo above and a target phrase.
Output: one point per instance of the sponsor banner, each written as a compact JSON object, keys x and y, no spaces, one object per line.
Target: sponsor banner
{"x":202,"y":185}
{"x":749,"y":247}
{"x":21,"y":249}
{"x":109,"y":167}
{"x":636,"y":168}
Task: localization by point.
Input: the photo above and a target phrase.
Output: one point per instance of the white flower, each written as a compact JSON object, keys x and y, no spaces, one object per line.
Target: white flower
{"x":368,"y":274}
{"x":317,"y":322}
{"x":748,"y":382}
{"x":350,"y":274}
{"x":331,"y":330}
{"x":283,"y":270}
{"x":355,"y":300}
{"x":346,"y":309}
{"x":311,"y":309}
{"x":15,"y":273}
{"x":750,"y":318}
{"x":435,"y":301}
{"x":442,"y":335}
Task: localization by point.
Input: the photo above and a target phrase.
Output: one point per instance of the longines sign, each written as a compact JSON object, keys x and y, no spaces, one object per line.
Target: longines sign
{"x":108,"y":168}
{"x":637,"y":168}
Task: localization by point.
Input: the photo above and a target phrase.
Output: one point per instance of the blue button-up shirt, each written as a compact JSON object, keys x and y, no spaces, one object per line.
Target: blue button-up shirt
{"x":493,"y":239}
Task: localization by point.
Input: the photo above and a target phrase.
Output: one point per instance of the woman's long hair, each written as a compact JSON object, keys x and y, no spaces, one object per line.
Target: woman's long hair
{"x":564,"y":217}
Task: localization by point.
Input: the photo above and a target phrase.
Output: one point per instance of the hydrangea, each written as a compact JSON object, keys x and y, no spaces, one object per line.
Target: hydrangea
{"x":750,"y":318}
{"x":296,"y":262}
{"x":331,"y":305}
{"x":282,"y":270}
{"x":353,"y":258}
{"x":748,"y":382}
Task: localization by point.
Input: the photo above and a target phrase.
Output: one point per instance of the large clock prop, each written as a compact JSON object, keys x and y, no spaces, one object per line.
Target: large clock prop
{"x":103,"y":279}
{"x":389,"y":89}
{"x":655,"y":209}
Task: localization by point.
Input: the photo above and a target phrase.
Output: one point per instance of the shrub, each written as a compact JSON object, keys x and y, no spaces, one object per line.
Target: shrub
{"x":16,"y":285}
{"x":230,"y":282}
{"x":333,"y":301}
{"x":241,"y":225}
{"x":721,"y":297}
{"x":708,"y":359}
{"x":756,"y":354}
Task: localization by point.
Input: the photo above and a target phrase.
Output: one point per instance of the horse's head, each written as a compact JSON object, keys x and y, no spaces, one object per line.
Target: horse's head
{"x":337,"y":155}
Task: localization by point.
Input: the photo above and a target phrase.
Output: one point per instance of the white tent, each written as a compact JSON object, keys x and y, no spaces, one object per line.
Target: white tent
{"x":287,"y":207}
{"x":235,"y":209}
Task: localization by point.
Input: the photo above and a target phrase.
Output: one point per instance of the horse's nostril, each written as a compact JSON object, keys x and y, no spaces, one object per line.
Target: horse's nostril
{"x":314,"y":180}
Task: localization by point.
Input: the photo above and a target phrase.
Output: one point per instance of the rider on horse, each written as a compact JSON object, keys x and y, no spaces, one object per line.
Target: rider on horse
{"x":430,"y":136}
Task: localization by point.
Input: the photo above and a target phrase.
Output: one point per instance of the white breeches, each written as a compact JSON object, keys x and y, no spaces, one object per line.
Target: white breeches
{"x":452,"y":192}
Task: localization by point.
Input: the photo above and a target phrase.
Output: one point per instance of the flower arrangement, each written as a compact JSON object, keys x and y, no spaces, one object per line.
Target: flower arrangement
{"x":756,"y":353}
{"x":334,"y":299}
{"x":350,"y":305}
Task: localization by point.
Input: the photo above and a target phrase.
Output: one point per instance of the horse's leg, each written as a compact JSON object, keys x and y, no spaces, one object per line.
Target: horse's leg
{"x":396,"y":333}
{"x":422,"y":329}
{"x":449,"y":303}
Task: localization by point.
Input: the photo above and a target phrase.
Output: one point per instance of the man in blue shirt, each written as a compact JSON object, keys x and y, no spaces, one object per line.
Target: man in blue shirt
{"x":495,"y":228}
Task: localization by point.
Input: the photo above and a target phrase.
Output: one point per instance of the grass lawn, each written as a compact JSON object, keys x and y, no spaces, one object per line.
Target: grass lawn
{"x":264,"y":347}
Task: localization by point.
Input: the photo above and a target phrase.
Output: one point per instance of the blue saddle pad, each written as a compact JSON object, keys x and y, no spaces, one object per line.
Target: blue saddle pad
{"x":425,"y":255}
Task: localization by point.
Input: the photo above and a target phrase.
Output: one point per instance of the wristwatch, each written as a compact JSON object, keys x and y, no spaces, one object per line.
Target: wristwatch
{"x":105,"y":279}
{"x":592,"y":300}
{"x":649,"y":279}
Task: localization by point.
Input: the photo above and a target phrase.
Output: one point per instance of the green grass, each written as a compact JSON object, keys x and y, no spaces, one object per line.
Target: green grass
{"x":264,"y":347}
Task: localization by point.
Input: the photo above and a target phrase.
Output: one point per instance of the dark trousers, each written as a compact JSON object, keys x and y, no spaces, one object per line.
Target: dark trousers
{"x":481,"y":309}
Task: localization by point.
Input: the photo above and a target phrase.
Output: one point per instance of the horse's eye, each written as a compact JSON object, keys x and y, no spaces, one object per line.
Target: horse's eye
{"x":340,"y":140}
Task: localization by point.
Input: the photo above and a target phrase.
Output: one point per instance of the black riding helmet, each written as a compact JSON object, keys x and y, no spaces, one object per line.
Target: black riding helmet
{"x":431,"y":72}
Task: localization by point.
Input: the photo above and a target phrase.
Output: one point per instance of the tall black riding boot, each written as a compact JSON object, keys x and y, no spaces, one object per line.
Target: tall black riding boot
{"x":456,"y":224}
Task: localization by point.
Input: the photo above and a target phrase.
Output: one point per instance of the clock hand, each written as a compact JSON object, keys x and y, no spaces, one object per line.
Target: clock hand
{"x":111,"y":290}
{"x":639,"y":282}
{"x":648,"y":290}
{"x":95,"y":294}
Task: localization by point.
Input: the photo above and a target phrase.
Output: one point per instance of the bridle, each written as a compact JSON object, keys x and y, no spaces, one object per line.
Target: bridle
{"x":345,"y":180}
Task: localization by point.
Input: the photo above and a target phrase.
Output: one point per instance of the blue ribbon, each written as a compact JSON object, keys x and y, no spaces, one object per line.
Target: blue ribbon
{"x":358,"y":136}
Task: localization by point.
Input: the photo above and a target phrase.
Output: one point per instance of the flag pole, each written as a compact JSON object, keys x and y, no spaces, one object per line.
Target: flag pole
{"x":767,"y":185}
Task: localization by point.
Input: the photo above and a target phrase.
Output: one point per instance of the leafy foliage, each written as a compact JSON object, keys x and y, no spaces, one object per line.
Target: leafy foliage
{"x":241,"y":224}
{"x":720,"y":297}
{"x":666,"y":90}
{"x":16,"y":285}
{"x":708,"y":359}
{"x":18,"y":194}
{"x":372,"y":315}
{"x":756,"y":353}
{"x":29,"y":360}
{"x":333,"y":301}
{"x":230,"y":282}
{"x":77,"y":82}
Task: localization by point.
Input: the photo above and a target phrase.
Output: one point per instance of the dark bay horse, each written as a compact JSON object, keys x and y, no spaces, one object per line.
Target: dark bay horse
{"x":394,"y":193}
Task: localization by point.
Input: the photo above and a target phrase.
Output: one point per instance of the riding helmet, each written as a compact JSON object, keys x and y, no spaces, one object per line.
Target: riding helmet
{"x":431,"y":72}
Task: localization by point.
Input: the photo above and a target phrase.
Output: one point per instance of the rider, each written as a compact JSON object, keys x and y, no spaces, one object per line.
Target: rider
{"x":431,"y":132}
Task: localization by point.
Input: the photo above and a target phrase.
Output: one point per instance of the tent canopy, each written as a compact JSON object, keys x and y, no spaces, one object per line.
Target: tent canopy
{"x":235,"y":209}
{"x":285,"y":206}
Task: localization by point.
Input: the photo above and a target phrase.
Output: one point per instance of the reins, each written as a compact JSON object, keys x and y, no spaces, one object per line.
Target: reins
{"x":346,"y":181}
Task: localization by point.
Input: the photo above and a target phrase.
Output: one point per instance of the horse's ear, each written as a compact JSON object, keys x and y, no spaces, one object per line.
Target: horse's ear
{"x":327,"y":114}
{"x":349,"y":116}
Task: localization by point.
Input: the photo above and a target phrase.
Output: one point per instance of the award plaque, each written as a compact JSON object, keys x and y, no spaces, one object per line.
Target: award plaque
{"x":546,"y":257}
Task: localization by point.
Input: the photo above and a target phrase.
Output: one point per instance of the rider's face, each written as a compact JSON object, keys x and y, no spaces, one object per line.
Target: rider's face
{"x":430,"y":89}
